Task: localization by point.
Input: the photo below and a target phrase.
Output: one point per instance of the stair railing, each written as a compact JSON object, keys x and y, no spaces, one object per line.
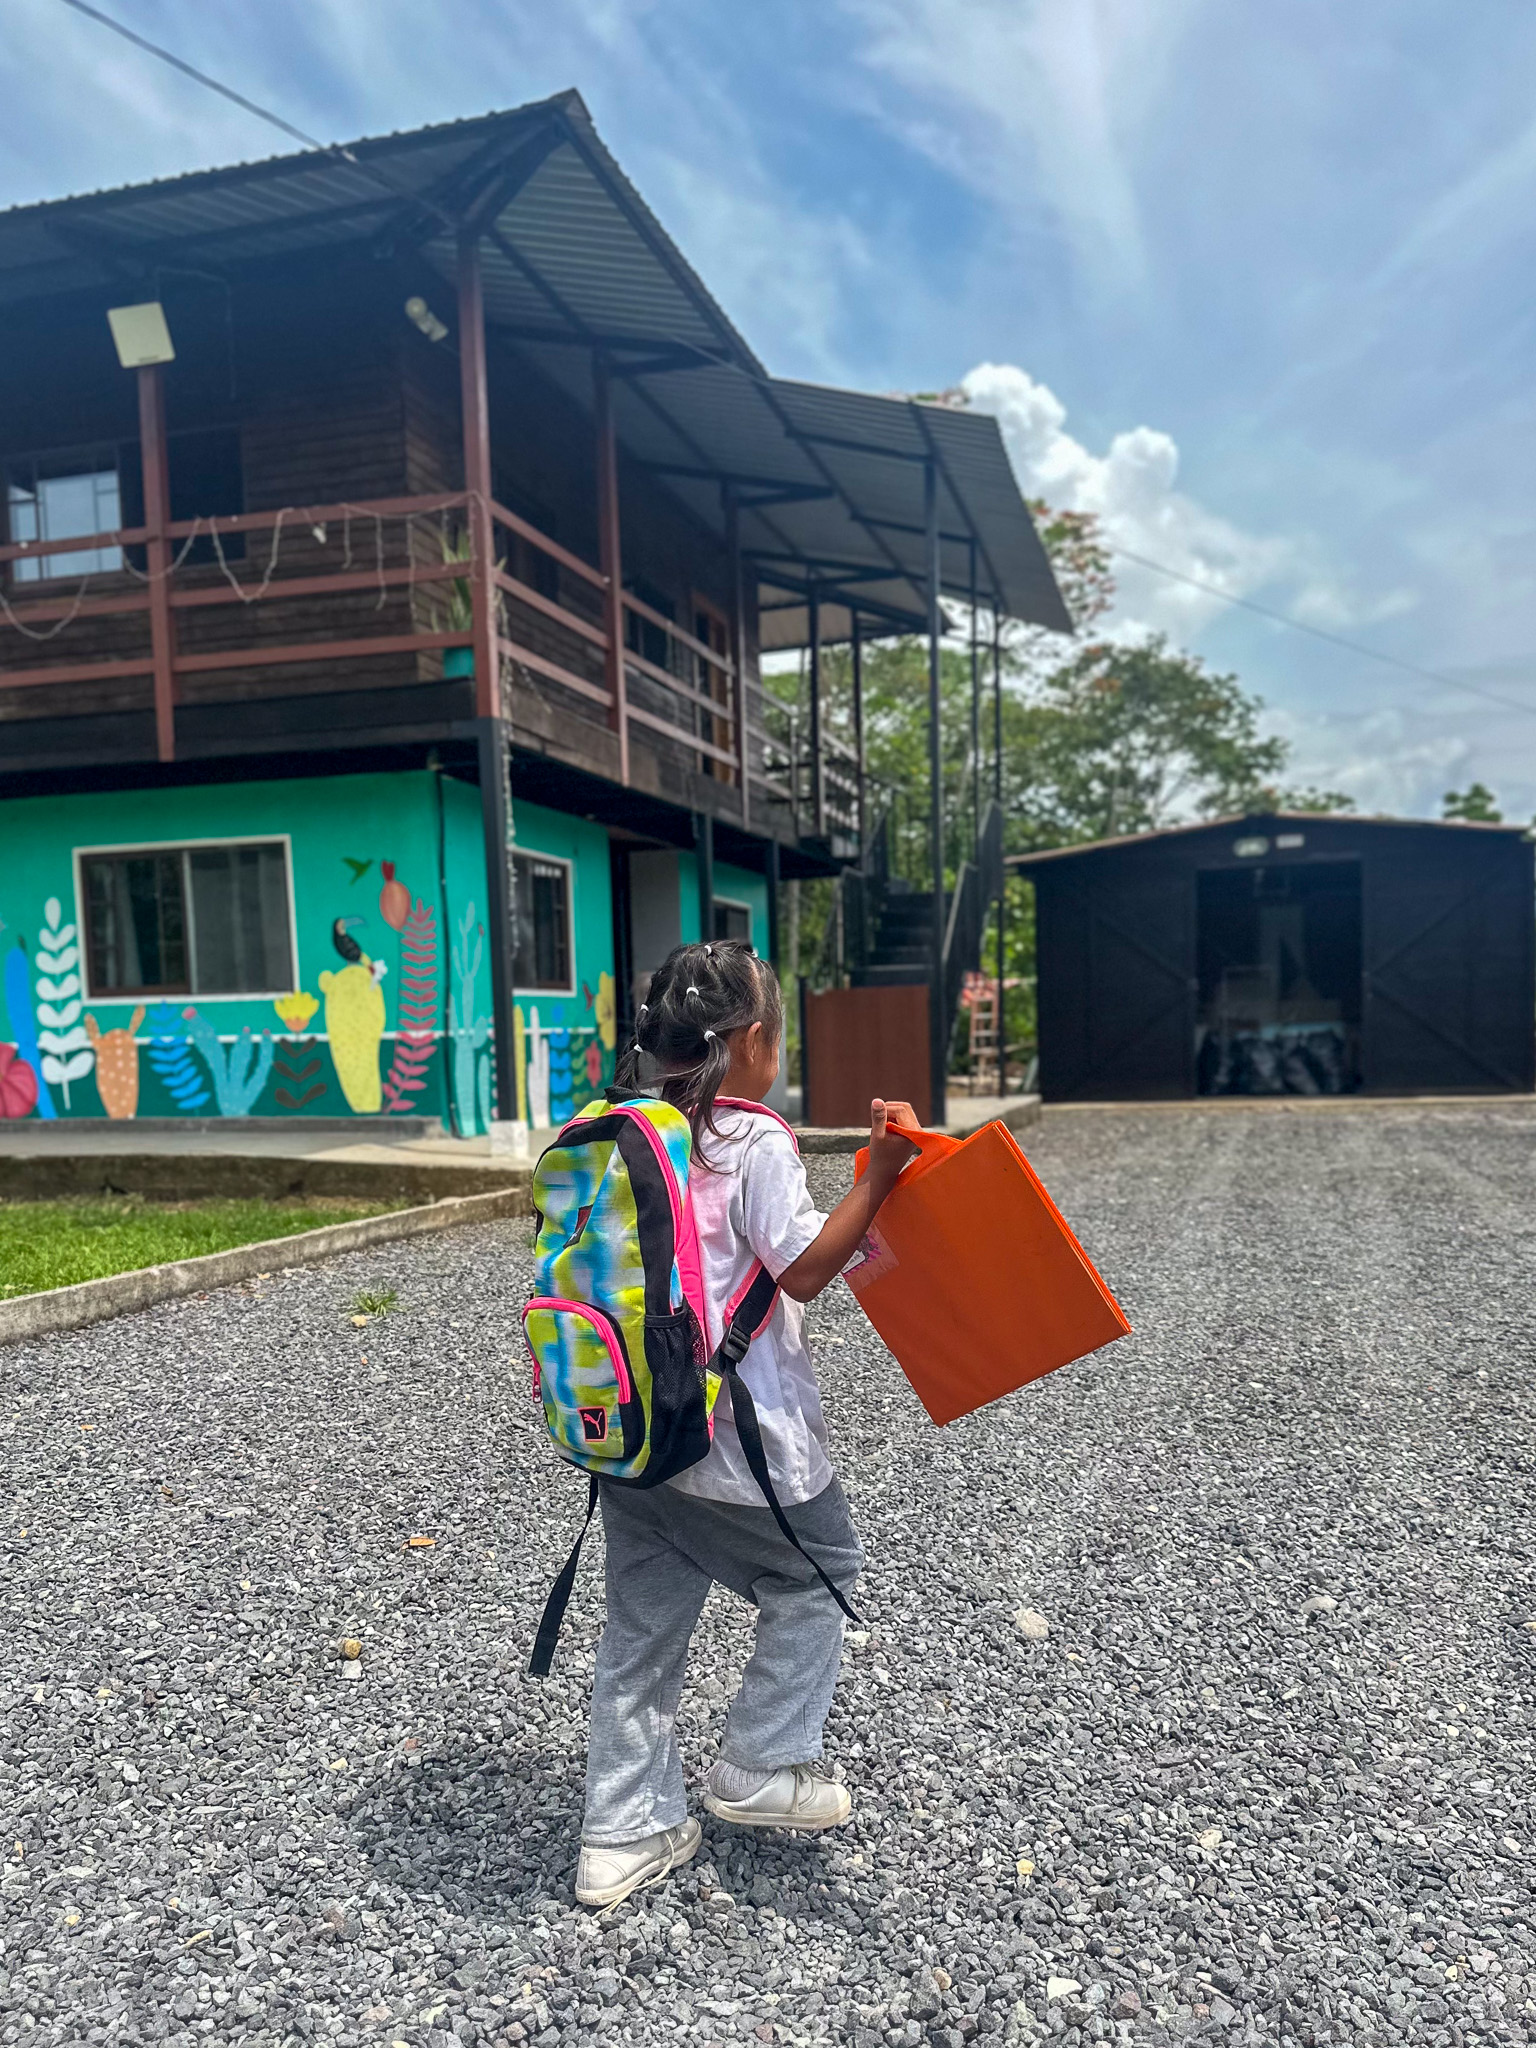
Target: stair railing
{"x":977,"y":887}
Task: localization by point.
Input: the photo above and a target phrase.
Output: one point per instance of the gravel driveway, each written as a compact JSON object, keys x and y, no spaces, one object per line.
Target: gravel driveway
{"x":1268,"y":1778}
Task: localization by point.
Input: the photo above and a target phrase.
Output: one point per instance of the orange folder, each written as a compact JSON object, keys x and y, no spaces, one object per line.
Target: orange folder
{"x":971,"y":1276}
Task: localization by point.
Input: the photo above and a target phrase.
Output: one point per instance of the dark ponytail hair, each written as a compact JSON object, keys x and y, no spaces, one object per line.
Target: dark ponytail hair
{"x":698,"y":996}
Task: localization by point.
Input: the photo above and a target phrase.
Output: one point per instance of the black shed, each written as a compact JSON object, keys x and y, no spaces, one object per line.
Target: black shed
{"x":1287,"y":954}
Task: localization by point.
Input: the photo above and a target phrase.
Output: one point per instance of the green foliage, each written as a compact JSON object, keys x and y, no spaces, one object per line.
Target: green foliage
{"x":1476,"y":805}
{"x":57,"y":1244}
{"x":375,"y":1301}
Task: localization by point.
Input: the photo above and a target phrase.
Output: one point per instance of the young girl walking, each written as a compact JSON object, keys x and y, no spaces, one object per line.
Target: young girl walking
{"x":708,"y":1041}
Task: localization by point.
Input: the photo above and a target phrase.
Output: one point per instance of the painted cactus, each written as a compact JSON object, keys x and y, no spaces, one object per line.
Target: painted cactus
{"x":354,"y":1019}
{"x":239,"y":1070}
{"x":471,"y":1059}
{"x":117,"y":1065}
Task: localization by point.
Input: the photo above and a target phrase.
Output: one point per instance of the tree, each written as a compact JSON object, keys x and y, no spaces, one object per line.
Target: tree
{"x":1476,"y":804}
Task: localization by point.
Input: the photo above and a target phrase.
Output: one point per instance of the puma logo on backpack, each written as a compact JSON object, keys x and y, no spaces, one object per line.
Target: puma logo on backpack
{"x":617,"y":1323}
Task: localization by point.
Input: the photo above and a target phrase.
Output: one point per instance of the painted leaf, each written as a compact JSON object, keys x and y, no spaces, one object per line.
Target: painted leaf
{"x":57,"y":960}
{"x":61,"y":1041}
{"x":56,"y":1018}
{"x":66,"y":1070}
{"x":58,"y":991}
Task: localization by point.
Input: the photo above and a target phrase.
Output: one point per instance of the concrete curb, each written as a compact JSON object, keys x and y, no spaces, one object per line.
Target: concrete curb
{"x":853,"y":1137}
{"x":95,"y":1301}
{"x":195,"y":1176}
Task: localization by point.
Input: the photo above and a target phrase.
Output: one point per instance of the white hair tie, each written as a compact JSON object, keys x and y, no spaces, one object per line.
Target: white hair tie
{"x":645,"y":1010}
{"x":711,"y":1034}
{"x":692,"y":989}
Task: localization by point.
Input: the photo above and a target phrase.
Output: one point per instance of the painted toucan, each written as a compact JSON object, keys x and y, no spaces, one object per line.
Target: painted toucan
{"x":342,"y":939}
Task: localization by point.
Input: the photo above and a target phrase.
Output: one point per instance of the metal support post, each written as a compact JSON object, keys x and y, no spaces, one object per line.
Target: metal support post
{"x":771,"y":865}
{"x":611,"y":557}
{"x":157,"y":555}
{"x":975,"y":717}
{"x":495,"y":764}
{"x":938,"y":1016}
{"x":1002,"y":894}
{"x":738,"y":647}
{"x":474,"y":406}
{"x":856,"y":651}
{"x":818,"y":794}
{"x":704,"y":858}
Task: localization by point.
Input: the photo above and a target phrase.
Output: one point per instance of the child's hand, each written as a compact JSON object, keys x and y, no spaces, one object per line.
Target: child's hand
{"x":888,"y":1150}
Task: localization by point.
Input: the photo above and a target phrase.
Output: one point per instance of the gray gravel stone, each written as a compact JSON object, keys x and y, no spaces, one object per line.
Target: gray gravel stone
{"x":1182,"y":1800}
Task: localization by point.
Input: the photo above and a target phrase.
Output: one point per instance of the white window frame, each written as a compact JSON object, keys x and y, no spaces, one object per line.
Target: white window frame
{"x":556,"y":860}
{"x":737,"y":903}
{"x":252,"y":995}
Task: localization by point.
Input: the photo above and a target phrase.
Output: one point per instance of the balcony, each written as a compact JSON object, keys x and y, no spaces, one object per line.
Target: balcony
{"x":352,"y":623}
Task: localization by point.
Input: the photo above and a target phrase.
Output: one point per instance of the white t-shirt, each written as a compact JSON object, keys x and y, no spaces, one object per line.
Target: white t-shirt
{"x":750,"y":1202}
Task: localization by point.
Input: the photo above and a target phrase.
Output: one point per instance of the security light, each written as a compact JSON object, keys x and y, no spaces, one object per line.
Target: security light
{"x":141,"y":335}
{"x":421,"y":315}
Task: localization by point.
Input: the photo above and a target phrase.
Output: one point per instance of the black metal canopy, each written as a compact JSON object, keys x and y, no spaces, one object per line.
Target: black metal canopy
{"x":827,"y":485}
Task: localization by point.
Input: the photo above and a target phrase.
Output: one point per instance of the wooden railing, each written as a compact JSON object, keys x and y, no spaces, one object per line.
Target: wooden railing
{"x":410,"y":555}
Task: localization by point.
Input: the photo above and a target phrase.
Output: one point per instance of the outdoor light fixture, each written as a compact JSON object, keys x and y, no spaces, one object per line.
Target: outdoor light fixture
{"x":141,"y":335}
{"x":421,"y":315}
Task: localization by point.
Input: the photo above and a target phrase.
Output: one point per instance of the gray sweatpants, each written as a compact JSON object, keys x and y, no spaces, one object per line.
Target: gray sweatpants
{"x":665,"y":1550}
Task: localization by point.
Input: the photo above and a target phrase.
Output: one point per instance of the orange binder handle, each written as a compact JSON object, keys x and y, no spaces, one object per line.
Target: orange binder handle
{"x":932,"y":1146}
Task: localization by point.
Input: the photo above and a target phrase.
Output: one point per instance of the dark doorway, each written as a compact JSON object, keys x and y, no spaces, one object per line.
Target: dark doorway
{"x":1280,"y":979}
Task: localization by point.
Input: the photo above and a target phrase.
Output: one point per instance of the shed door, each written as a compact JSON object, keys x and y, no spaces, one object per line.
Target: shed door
{"x":1448,"y":969}
{"x":1117,"y":982}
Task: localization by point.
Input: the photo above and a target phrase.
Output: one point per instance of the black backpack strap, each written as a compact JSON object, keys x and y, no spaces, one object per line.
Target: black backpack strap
{"x":744,"y":1326}
{"x":559,"y":1596}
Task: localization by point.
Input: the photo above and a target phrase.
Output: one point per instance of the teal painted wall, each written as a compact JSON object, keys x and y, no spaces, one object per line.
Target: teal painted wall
{"x":739,"y":884}
{"x":405,"y":1029}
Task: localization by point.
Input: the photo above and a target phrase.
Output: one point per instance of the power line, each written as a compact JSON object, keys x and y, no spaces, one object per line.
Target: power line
{"x":373,"y":171}
{"x":1412,"y":668}
{"x":227,"y":92}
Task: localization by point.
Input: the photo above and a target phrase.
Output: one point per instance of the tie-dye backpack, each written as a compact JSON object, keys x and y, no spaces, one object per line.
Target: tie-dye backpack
{"x":616,"y":1325}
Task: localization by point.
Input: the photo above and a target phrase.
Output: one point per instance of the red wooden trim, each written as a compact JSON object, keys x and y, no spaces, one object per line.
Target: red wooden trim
{"x":671,"y":627}
{"x":120,"y":537}
{"x":317,"y":586}
{"x":549,"y":547}
{"x":547,"y":605}
{"x":320,"y":650}
{"x":303,"y":516}
{"x":544,"y":667}
{"x":157,"y":554}
{"x":125,"y":602}
{"x":75,"y":672}
{"x":474,"y":406}
{"x":611,"y":554}
{"x":683,"y":739}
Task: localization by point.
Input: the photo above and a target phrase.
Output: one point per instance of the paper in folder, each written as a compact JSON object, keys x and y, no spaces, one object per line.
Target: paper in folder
{"x":973,"y":1279}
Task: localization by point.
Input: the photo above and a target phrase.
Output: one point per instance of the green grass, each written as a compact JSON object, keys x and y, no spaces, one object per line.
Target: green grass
{"x":55,"y":1244}
{"x":376,"y":1301}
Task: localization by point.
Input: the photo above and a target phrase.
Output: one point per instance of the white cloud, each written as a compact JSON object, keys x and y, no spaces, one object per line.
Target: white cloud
{"x":1133,"y":491}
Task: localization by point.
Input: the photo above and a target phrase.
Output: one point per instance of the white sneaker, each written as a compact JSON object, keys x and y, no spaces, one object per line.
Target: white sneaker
{"x":608,"y":1872}
{"x":796,"y":1796}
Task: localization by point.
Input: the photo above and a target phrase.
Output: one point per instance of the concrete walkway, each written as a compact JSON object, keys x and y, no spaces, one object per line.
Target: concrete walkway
{"x":284,"y":1157}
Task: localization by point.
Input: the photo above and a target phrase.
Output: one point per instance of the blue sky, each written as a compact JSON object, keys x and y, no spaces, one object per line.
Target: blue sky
{"x":1252,"y":281}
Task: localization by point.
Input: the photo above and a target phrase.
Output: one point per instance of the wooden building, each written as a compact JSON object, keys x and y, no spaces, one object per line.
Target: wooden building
{"x":1287,"y":954}
{"x":392,"y":537}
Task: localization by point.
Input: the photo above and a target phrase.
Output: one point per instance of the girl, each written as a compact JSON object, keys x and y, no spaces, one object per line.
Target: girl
{"x":710,"y":1032}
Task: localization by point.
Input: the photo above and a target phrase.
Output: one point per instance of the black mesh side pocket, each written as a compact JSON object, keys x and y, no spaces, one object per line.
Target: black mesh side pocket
{"x":679,"y":1417}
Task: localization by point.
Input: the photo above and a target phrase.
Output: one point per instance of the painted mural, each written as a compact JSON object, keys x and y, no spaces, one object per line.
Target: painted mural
{"x":66,"y":1050}
{"x":354,"y":1018}
{"x":117,"y":1064}
{"x":417,"y":1031}
{"x":392,"y":1010}
{"x":296,"y":1059}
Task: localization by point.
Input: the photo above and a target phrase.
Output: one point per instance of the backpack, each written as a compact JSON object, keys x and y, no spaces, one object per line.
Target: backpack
{"x":616,"y":1326}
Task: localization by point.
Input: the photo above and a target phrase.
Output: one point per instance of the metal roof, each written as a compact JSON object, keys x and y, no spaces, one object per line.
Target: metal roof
{"x":1311,"y":819}
{"x":829,"y":483}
